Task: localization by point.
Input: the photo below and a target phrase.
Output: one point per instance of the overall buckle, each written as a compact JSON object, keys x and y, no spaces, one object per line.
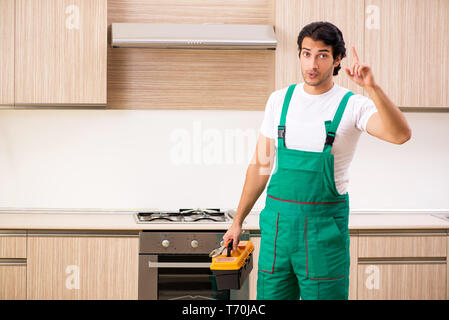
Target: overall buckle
{"x":330,"y":138}
{"x":281,"y":132}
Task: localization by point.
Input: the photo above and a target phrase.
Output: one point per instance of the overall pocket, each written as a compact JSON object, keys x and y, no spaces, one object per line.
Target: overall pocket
{"x":327,"y":254}
{"x":299,"y":176}
{"x":268,"y":223}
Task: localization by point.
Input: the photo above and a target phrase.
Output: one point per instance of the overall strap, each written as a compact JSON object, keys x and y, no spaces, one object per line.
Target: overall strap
{"x":331,"y":127}
{"x":281,"y":127}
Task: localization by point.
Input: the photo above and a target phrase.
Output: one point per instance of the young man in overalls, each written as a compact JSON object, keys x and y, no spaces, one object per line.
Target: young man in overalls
{"x":314,"y":128}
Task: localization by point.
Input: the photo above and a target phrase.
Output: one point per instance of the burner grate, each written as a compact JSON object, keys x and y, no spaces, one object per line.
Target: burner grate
{"x":185,"y":215}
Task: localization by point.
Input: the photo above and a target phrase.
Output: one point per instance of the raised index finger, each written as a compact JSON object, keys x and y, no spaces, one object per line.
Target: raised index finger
{"x":355,"y":54}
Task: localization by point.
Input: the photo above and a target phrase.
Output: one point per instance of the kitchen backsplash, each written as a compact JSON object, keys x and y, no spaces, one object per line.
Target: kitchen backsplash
{"x":126,"y":159}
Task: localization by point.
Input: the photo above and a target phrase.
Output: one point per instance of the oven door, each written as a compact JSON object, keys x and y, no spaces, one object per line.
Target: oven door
{"x":178,"y":276}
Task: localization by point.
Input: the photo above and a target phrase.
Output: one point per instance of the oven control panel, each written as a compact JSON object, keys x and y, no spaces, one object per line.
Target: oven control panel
{"x":172,"y":242}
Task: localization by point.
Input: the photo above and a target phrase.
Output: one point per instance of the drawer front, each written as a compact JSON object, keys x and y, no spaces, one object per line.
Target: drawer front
{"x":13,"y":244}
{"x":397,"y":281}
{"x":411,"y":245}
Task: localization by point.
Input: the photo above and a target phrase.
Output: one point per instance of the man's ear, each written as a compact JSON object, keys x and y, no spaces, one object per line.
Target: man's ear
{"x":337,"y":61}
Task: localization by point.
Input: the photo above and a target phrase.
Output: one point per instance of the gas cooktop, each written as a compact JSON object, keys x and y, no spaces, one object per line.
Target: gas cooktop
{"x":185,"y":215}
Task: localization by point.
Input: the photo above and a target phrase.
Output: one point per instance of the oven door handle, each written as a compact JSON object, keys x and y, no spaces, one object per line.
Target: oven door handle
{"x":152,"y":264}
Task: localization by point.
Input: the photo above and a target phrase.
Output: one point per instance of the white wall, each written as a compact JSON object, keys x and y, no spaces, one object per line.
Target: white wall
{"x":118,"y":159}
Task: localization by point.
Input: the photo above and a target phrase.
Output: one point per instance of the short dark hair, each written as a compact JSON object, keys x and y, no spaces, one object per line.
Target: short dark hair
{"x":329,"y":34}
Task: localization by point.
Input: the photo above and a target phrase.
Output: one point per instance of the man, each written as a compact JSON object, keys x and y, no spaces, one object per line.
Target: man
{"x":304,"y":226}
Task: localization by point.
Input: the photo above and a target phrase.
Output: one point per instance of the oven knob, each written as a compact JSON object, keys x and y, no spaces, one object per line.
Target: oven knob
{"x":194,"y":244}
{"x":165,"y":243}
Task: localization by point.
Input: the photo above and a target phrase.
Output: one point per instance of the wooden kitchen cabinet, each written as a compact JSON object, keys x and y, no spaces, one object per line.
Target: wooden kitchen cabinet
{"x":60,"y":52}
{"x":187,"y":79}
{"x":353,"y":250}
{"x":407,"y":49}
{"x":402,"y":265}
{"x":413,"y":244}
{"x":252,"y":278}
{"x":13,"y":244}
{"x":13,"y":252}
{"x":7,"y":53}
{"x":13,"y":279}
{"x":393,"y":280}
{"x":82,"y":265}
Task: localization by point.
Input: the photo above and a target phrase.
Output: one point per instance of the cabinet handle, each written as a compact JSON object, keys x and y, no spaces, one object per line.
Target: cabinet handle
{"x":12,"y":233}
{"x":402,"y":234}
{"x":86,"y":233}
{"x":179,"y":264}
{"x":13,"y":262}
{"x":404,"y":261}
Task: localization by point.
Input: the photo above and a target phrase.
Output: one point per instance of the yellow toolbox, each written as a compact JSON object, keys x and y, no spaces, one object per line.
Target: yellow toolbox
{"x":232,"y":269}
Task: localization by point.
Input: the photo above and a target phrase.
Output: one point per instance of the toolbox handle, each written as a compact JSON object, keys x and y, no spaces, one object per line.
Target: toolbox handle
{"x":230,"y":243}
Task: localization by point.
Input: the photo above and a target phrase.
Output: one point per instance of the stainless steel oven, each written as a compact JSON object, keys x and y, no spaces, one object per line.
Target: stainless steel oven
{"x":176,"y":265}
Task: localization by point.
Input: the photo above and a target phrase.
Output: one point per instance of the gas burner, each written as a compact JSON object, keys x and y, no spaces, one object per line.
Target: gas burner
{"x":198,"y":211}
{"x":184,"y":215}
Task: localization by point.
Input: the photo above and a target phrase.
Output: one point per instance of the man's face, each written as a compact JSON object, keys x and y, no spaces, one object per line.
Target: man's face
{"x":317,"y":62}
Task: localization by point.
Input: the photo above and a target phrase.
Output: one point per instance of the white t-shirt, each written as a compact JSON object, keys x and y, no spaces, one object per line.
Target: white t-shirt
{"x":305,"y":129}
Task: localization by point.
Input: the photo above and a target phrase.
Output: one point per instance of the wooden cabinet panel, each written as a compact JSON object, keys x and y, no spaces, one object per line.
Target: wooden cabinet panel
{"x":192,"y":11}
{"x":407,"y":50}
{"x":13,"y":244}
{"x":414,"y":245}
{"x":252,"y":278}
{"x":12,"y":280}
{"x":82,"y":267}
{"x":190,"y":79}
{"x":293,"y":15}
{"x":7,"y":52}
{"x":353,"y":249}
{"x":397,"y":281}
{"x":61,"y":52}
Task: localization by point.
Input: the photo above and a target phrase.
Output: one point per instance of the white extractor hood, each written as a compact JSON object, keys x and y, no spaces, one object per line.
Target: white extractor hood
{"x":193,"y":36}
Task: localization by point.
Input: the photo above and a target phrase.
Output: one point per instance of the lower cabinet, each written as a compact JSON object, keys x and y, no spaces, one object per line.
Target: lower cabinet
{"x":397,"y":265}
{"x":391,"y":265}
{"x":13,"y":274}
{"x":414,"y":280}
{"x":253,"y":275}
{"x":82,"y":265}
{"x":13,"y":269}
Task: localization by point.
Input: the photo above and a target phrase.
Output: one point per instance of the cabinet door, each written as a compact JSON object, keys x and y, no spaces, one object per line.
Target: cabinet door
{"x":252,"y":278}
{"x":353,"y":249}
{"x":82,"y":266}
{"x":13,"y":279}
{"x":398,"y":281}
{"x":60,"y":52}
{"x":407,"y":49}
{"x":7,"y":52}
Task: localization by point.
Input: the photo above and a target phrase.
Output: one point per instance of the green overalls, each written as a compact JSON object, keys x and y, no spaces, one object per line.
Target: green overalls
{"x":304,"y":249}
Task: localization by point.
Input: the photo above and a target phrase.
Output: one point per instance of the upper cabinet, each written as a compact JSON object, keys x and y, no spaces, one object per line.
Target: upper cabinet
{"x":142,"y":78}
{"x":7,"y":52}
{"x":407,"y":46}
{"x":60,"y":52}
{"x":403,"y":41}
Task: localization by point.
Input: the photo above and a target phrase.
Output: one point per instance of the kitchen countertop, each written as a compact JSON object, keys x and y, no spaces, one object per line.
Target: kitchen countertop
{"x":82,"y":219}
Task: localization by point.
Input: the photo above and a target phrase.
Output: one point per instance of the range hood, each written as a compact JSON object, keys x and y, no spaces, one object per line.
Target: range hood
{"x":193,"y":36}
